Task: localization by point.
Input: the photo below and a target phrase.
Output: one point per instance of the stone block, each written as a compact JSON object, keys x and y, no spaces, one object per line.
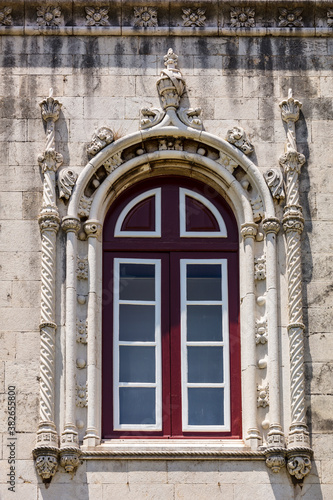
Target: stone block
{"x":267,"y":491}
{"x":13,"y":64}
{"x":136,"y":491}
{"x":26,"y":491}
{"x":227,"y":109}
{"x":19,"y":319}
{"x":327,"y":471}
{"x":192,"y":471}
{"x":36,"y":131}
{"x":26,"y":294}
{"x":325,"y":85}
{"x":10,"y":205}
{"x":134,"y":104}
{"x":99,"y":85}
{"x":25,"y":154}
{"x":8,"y":345}
{"x":132,"y":65}
{"x":62,"y":477}
{"x":207,"y":65}
{"x":320,"y":347}
{"x":26,"y":442}
{"x":56,"y":64}
{"x":10,"y":85}
{"x":31,"y":204}
{"x":12,"y":132}
{"x":319,"y":320}
{"x":75,"y":490}
{"x":317,"y":491}
{"x":147,"y":471}
{"x":204,"y":491}
{"x":261,"y":86}
{"x":109,"y":471}
{"x":303,"y":88}
{"x":212,"y":85}
{"x":25,"y":377}
{"x":320,"y":377}
{"x":6,"y":294}
{"x":28,"y":229}
{"x":20,"y":265}
{"x":103,"y":108}
{"x":321,"y":413}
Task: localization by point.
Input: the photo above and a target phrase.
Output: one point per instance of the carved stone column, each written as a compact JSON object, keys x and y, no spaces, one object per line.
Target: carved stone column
{"x":46,"y":450}
{"x":298,"y":452}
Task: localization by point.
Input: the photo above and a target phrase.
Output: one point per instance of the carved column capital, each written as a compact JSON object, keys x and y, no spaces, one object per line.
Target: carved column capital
{"x":49,"y":219}
{"x":292,"y":161}
{"x":271,"y":225}
{"x":93,"y":228}
{"x":50,"y":108}
{"x":249,"y":230}
{"x":70,"y":224}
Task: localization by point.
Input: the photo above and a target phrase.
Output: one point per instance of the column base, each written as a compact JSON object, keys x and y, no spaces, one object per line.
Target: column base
{"x":253,"y":438}
{"x":91,"y":439}
{"x":275,"y":436}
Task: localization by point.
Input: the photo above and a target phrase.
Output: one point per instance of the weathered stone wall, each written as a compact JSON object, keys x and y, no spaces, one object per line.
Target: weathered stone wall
{"x":105,"y":81}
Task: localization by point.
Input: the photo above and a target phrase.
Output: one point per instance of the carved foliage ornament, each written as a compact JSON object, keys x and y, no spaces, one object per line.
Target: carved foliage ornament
{"x":81,"y":395}
{"x":263,"y":396}
{"x":242,"y":17}
{"x":194,"y":17}
{"x":84,"y":206}
{"x":260,"y":268}
{"x":227,"y":162}
{"x":66,"y":181}
{"x":46,"y":466}
{"x":261,"y":331}
{"x":82,"y":268}
{"x":274,"y":180}
{"x":5,"y":17}
{"x":237,"y":137}
{"x":101,"y":138}
{"x":290,"y":18}
{"x":299,"y":466}
{"x":145,"y":17}
{"x":48,"y":16}
{"x":96,"y":16}
{"x":81,"y":331}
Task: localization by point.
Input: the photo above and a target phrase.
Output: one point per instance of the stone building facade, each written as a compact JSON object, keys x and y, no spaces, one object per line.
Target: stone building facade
{"x":100,"y":101}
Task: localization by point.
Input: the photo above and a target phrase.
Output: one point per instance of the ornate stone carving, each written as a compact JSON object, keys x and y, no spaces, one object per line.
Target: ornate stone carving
{"x":194,"y":17}
{"x":271,"y":225}
{"x":257,"y":208}
{"x":70,"y":224}
{"x":237,"y":137}
{"x":93,"y":228}
{"x":290,"y":18}
{"x":84,"y":206}
{"x":46,"y":466}
{"x":113,"y":162}
{"x":70,"y":459}
{"x":171,"y":144}
{"x":81,"y":395}
{"x":5,"y":17}
{"x":82,"y":268}
{"x":260,"y":268}
{"x":274,"y":180}
{"x":261,"y":331}
{"x":263,"y":396}
{"x":242,"y":17}
{"x":101,"y":138}
{"x":227,"y":162}
{"x":249,"y":229}
{"x":299,"y":466}
{"x":151,"y":117}
{"x":48,"y":15}
{"x":190,"y":117}
{"x":171,"y":84}
{"x":81,"y":331}
{"x":50,"y":160}
{"x":275,"y":462}
{"x":330,"y":18}
{"x":66,"y":181}
{"x":145,"y":17}
{"x":50,"y":108}
{"x":96,"y":16}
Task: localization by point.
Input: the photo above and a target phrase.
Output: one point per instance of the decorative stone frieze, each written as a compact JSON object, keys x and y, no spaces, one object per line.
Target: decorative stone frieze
{"x":172,"y":144}
{"x":227,"y":162}
{"x":263,"y":396}
{"x":145,"y":17}
{"x":5,"y":17}
{"x":260,"y":268}
{"x":242,"y":17}
{"x":101,"y":138}
{"x":290,"y":18}
{"x":84,"y":206}
{"x":66,"y":181}
{"x":194,"y":17}
{"x":261,"y":331}
{"x":113,"y":162}
{"x":82,"y":268}
{"x":81,"y":395}
{"x":293,"y":223}
{"x":237,"y":137}
{"x":171,"y":84}
{"x":150,"y":117}
{"x":96,"y":16}
{"x":274,"y":180}
{"x":191,"y":117}
{"x":81,"y":331}
{"x":48,"y":15}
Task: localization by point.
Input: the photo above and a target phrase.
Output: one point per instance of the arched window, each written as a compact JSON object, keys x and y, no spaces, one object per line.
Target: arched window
{"x":171,"y":342}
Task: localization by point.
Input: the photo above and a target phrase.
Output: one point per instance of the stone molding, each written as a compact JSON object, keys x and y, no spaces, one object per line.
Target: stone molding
{"x":63,"y":17}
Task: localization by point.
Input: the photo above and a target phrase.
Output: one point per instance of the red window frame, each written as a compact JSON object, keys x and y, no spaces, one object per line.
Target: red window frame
{"x":170,"y":248}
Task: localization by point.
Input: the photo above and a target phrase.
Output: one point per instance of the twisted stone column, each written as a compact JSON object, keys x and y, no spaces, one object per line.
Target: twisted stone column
{"x":46,"y":450}
{"x":299,"y":464}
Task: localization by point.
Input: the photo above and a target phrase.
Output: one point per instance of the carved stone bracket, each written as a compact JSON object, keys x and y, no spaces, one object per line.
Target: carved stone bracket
{"x":299,"y":462}
{"x":237,"y":137}
{"x":274,"y":180}
{"x":70,"y":459}
{"x":275,"y":459}
{"x":66,"y":181}
{"x":46,"y":462}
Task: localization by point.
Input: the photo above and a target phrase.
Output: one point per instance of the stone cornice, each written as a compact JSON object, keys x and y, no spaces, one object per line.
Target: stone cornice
{"x":127,"y":18}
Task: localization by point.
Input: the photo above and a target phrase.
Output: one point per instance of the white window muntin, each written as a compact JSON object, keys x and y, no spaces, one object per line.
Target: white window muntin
{"x":222,"y":233}
{"x":156,"y":193}
{"x":157,"y":344}
{"x":224,"y":343}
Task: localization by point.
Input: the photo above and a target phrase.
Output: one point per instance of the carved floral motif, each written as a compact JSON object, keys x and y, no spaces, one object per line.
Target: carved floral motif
{"x":81,"y":395}
{"x":260,"y":268}
{"x":48,"y":16}
{"x":237,"y":137}
{"x":290,"y":18}
{"x":96,"y":16}
{"x":113,"y":162}
{"x":257,"y":208}
{"x":263,"y":396}
{"x":46,"y":466}
{"x":5,"y":17}
{"x":261,"y":331}
{"x":50,"y":160}
{"x":66,"y":181}
{"x":194,"y":17}
{"x":171,"y":144}
{"x":101,"y":138}
{"x":145,"y":17}
{"x":299,"y":466}
{"x":81,"y":331}
{"x":242,"y":17}
{"x":84,"y":206}
{"x":82,"y":268}
{"x":275,"y":462}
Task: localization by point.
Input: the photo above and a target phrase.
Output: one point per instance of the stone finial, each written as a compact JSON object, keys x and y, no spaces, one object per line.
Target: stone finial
{"x":50,"y":108}
{"x":171,"y":84}
{"x":290,"y":108}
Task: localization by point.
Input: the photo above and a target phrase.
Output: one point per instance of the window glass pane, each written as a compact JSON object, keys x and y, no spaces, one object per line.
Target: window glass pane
{"x":137,"y":364}
{"x":137,"y":405}
{"x":204,"y":323}
{"x":136,"y":323}
{"x":137,"y":282}
{"x":205,"y":406}
{"x":205,"y":364}
{"x":204,"y":282}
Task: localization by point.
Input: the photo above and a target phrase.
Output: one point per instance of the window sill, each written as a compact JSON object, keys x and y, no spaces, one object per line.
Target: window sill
{"x":156,"y":449}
